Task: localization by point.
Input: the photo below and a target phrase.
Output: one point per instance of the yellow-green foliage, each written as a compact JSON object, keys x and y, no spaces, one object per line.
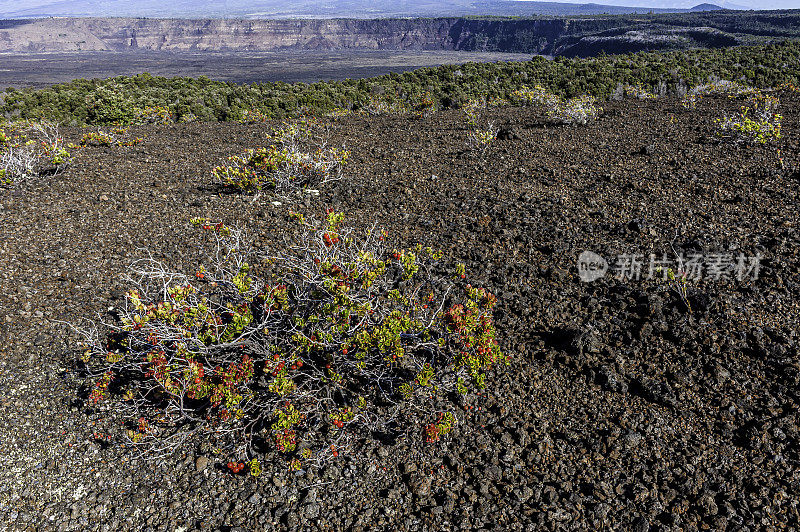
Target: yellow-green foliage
{"x":312,"y":354}
{"x":756,"y":122}
{"x":266,"y":167}
{"x":578,"y":110}
{"x":28,"y":149}
{"x":117,"y":136}
{"x":284,"y":166}
{"x":154,"y":115}
{"x":639,"y":92}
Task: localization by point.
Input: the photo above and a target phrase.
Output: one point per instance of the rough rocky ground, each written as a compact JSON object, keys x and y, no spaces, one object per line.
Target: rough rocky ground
{"x":621,"y":410}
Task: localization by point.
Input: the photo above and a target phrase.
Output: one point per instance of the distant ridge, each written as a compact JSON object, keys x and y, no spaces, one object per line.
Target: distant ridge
{"x":706,"y":7}
{"x":280,"y":9}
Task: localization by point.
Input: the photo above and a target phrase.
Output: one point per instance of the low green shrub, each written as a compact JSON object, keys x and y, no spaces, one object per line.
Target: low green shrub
{"x":302,"y":355}
{"x":756,"y":122}
{"x":30,"y":149}
{"x":482,"y":133}
{"x":117,"y":100}
{"x":284,"y":167}
{"x":117,"y":136}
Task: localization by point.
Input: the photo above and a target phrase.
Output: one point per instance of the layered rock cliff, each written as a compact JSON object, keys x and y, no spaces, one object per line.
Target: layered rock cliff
{"x":174,"y":35}
{"x":582,"y":36}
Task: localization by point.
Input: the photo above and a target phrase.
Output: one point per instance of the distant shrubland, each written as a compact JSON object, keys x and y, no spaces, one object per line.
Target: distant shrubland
{"x":122,"y":100}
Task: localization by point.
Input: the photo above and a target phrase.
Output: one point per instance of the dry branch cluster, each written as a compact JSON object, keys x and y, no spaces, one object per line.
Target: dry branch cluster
{"x":336,"y":338}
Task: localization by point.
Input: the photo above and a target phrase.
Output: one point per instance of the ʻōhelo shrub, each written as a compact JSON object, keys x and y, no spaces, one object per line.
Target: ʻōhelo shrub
{"x":114,"y":137}
{"x":333,"y":339}
{"x":755,"y":122}
{"x":481,"y":134}
{"x":29,"y":149}
{"x":286,"y":166}
{"x":578,"y":110}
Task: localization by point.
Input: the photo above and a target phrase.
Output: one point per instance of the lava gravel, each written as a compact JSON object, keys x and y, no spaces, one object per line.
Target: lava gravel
{"x":621,"y":409}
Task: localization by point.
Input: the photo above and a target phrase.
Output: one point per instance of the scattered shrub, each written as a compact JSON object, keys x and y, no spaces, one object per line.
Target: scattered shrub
{"x":689,"y":101}
{"x":481,"y":135}
{"x":284,"y":167}
{"x":425,"y":105}
{"x":252,"y":116}
{"x":577,"y":110}
{"x":723,"y":86}
{"x":481,"y":139}
{"x":188,"y":117}
{"x":338,"y":113}
{"x":574,"y":110}
{"x":496,"y":101}
{"x":678,"y":282}
{"x":473,"y":109}
{"x":31,"y":149}
{"x":639,"y":92}
{"x":153,"y":115}
{"x":117,"y":136}
{"x":339,"y":337}
{"x":756,"y":122}
{"x":537,"y":96}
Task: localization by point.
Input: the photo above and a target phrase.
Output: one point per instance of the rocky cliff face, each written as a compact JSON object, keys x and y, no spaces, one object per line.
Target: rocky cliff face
{"x":173,"y":35}
{"x":585,"y":36}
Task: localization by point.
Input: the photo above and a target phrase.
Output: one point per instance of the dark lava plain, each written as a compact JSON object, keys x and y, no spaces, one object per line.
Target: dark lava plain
{"x":620,"y":410}
{"x":40,"y":70}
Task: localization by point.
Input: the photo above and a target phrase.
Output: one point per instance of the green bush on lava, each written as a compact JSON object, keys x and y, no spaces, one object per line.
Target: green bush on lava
{"x":334,"y":339}
{"x":118,"y":100}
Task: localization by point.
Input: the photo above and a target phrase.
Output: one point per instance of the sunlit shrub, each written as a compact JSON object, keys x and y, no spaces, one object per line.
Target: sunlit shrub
{"x":689,"y":101}
{"x":251,"y":116}
{"x":284,"y":167}
{"x":481,"y":138}
{"x":723,"y":86}
{"x":303,"y":354}
{"x":424,"y":105}
{"x":482,"y":133}
{"x":756,"y":122}
{"x":638,"y":92}
{"x":117,"y":136}
{"x":537,"y":96}
{"x":578,"y":110}
{"x":30,"y":149}
{"x":153,"y":115}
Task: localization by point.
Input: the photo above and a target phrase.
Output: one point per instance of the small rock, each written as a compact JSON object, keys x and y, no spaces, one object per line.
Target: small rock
{"x":632,"y":440}
{"x":312,"y":511}
{"x":708,"y":505}
{"x":409,"y":467}
{"x":421,"y":487}
{"x":201,"y":463}
{"x":641,"y":525}
{"x":508,"y":133}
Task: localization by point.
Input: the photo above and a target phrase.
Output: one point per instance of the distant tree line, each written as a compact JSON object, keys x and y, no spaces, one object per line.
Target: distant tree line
{"x":119,"y":99}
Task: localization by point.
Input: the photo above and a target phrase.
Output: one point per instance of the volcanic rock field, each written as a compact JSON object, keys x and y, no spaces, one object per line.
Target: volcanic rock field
{"x":625,"y":407}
